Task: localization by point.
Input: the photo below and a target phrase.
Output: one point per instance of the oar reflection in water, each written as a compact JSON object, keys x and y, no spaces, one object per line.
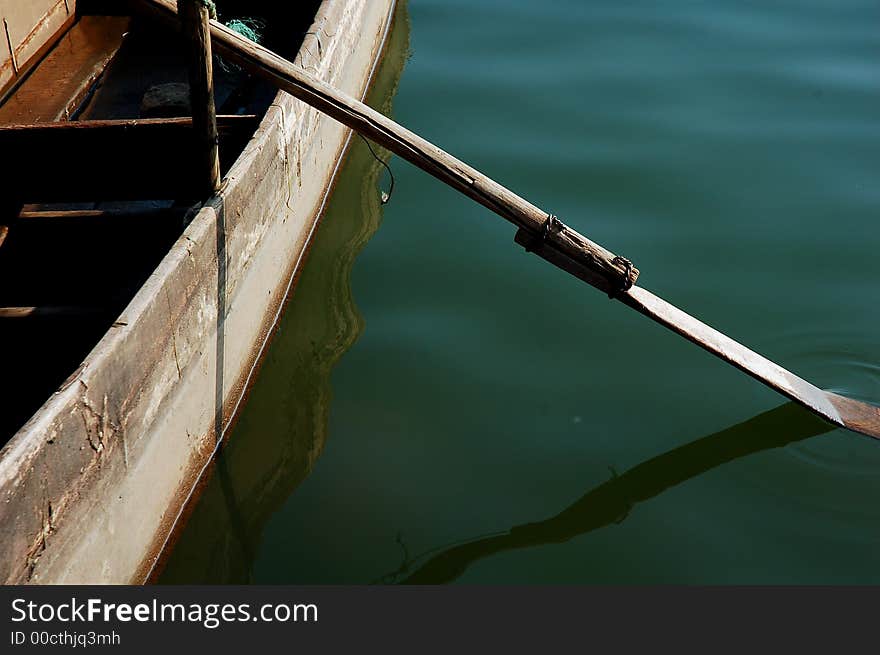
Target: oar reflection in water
{"x":612,"y":501}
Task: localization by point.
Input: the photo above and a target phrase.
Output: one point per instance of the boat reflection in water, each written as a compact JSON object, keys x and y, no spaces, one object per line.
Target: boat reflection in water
{"x":612,"y":501}
{"x":286,"y":416}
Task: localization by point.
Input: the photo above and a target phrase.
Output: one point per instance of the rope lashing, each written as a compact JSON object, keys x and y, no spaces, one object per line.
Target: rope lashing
{"x":211,"y":6}
{"x":550,"y":224}
{"x":628,"y":268}
{"x":535,"y":240}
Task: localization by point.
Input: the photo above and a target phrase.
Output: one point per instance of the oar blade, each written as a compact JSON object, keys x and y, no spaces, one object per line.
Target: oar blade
{"x":857,"y":416}
{"x":845,"y":412}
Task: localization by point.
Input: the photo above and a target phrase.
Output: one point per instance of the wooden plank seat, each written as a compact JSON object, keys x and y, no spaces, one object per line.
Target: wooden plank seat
{"x":63,"y":79}
{"x":51,"y":311}
{"x":28,"y":30}
{"x":132,"y":210}
{"x":138,"y":159}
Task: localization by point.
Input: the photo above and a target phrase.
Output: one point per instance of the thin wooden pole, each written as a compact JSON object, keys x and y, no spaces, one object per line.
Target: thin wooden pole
{"x":195,"y":17}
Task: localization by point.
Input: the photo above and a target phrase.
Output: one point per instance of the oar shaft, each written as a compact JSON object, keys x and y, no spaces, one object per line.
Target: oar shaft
{"x":605,"y":271}
{"x":555,"y":242}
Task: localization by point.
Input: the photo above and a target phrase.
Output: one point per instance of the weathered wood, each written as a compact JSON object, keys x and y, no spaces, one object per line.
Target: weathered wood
{"x":138,"y":159}
{"x":48,"y":312}
{"x":194,"y":18}
{"x":29,"y":29}
{"x":364,"y":120}
{"x":139,"y":410}
{"x":64,"y":77}
{"x":100,"y":214}
{"x":591,"y":262}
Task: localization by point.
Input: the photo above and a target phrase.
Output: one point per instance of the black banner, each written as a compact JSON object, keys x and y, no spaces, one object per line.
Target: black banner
{"x":432,"y":619}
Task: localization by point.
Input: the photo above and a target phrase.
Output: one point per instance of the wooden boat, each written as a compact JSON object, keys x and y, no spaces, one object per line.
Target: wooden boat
{"x":133,"y":314}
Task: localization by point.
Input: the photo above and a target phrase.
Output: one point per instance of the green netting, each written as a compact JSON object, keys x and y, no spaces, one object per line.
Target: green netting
{"x":247,"y":27}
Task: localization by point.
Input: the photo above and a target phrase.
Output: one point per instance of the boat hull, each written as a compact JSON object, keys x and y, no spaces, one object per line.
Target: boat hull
{"x":95,"y":483}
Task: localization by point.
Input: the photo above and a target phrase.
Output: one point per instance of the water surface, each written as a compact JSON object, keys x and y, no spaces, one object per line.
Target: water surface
{"x":461,"y":411}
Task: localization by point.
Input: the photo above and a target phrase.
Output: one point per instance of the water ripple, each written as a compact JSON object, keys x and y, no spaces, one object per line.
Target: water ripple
{"x":844,"y":361}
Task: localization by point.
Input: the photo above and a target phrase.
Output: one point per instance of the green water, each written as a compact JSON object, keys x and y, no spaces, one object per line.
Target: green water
{"x":441,"y":406}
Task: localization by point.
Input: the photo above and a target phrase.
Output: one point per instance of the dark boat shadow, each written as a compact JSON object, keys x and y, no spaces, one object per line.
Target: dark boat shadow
{"x":612,"y":501}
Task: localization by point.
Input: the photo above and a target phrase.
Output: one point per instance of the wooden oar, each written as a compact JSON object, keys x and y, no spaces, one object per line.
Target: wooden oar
{"x":538,"y":230}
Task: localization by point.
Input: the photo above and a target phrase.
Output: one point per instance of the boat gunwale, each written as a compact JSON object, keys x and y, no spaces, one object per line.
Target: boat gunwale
{"x":19,"y":453}
{"x":243,"y":386}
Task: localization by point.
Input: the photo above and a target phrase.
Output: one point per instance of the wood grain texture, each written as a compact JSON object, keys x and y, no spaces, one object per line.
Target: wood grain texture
{"x":7,"y":313}
{"x":70,"y":215}
{"x":63,"y":79}
{"x":857,"y":416}
{"x":29,"y":29}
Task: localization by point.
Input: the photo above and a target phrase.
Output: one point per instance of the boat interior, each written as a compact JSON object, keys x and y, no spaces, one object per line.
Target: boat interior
{"x":97,"y":169}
